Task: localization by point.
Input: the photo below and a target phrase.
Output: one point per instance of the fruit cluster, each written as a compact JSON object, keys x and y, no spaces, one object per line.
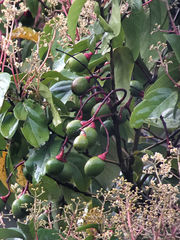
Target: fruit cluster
{"x":94,"y":104}
{"x":94,"y":117}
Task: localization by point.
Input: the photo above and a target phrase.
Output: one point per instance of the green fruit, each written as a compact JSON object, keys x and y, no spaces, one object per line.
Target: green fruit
{"x":20,"y":206}
{"x":136,"y":88}
{"x":54,"y":167}
{"x":80,"y":143}
{"x":91,"y":135}
{"x":66,"y":173}
{"x":27,"y":175}
{"x":109,"y":126}
{"x":72,"y":128}
{"x":94,"y":166}
{"x":17,"y":210}
{"x":26,"y":201}
{"x":2,"y":204}
{"x":105,"y":109}
{"x":124,"y":115}
{"x":75,"y":66}
{"x":80,"y":85}
{"x":89,"y":105}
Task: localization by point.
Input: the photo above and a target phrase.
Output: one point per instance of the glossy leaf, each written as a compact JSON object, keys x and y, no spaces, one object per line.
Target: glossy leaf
{"x":123,"y":67}
{"x":133,"y":28}
{"x":171,"y":116}
{"x":20,"y":112}
{"x":27,"y":229}
{"x":96,"y":62}
{"x":78,"y":47}
{"x":174,"y":40}
{"x":73,"y":16}
{"x":77,"y":162}
{"x":59,"y":64}
{"x":70,"y":194}
{"x":35,"y":128}
{"x":105,"y":25}
{"x":155,"y":103}
{"x":46,"y":93}
{"x":6,"y":233}
{"x":62,"y":90}
{"x":38,"y":157}
{"x":55,"y":75}
{"x":9,"y":125}
{"x":156,"y":14}
{"x":164,"y":81}
{"x":115,"y":20}
{"x":5,"y":79}
{"x":48,"y":185}
{"x":110,"y":170}
{"x":18,"y":148}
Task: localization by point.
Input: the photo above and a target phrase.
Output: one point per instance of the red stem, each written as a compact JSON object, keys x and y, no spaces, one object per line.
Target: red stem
{"x":147,"y":2}
{"x":10,"y":175}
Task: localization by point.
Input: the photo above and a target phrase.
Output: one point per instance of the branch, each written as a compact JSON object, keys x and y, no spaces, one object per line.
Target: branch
{"x":164,"y":140}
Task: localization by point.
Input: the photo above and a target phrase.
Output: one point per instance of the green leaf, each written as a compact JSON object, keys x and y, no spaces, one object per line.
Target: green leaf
{"x":155,"y":103}
{"x":174,"y":40}
{"x":78,"y":47}
{"x":73,"y":16}
{"x":2,"y":143}
{"x":6,"y":105}
{"x":5,"y":80}
{"x":156,"y":14}
{"x":11,"y":233}
{"x":62,"y":90}
{"x":18,"y":148}
{"x":77,"y":162}
{"x":20,"y":112}
{"x":70,"y":194}
{"x":87,"y":226}
{"x":115,"y":20}
{"x":8,"y":125}
{"x":59,"y":64}
{"x":48,"y":234}
{"x":105,"y":25}
{"x":97,"y":61}
{"x":35,"y":128}
{"x":55,"y":75}
{"x":123,"y":67}
{"x":110,"y":170}
{"x":46,"y":93}
{"x":33,"y":7}
{"x":38,"y":157}
{"x":46,"y":37}
{"x":27,"y":229}
{"x":48,"y":185}
{"x":171,"y":116}
{"x":164,"y":80}
{"x":132,"y":26}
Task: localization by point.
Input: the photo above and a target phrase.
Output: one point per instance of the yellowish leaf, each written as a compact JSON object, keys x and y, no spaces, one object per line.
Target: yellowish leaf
{"x":3,"y":174}
{"x":21,"y":180}
{"x":25,"y":33}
